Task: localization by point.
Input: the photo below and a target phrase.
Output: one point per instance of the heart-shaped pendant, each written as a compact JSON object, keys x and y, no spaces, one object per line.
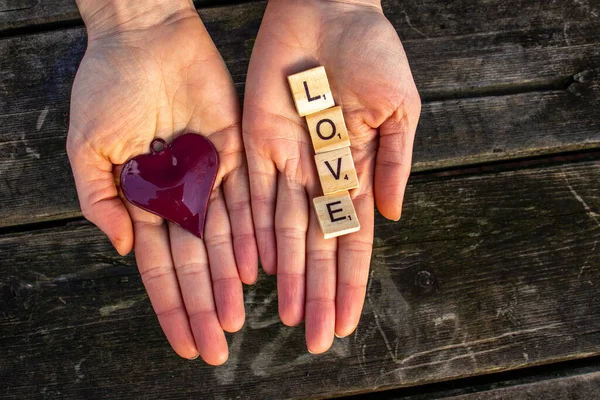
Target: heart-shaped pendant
{"x":174,"y":181}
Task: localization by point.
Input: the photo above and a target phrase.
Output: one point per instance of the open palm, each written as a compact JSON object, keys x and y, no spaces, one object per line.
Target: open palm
{"x":324,"y":281}
{"x":131,"y":88}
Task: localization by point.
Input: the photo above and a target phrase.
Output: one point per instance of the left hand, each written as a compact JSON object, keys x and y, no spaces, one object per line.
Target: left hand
{"x":152,"y":71}
{"x":371,"y":80}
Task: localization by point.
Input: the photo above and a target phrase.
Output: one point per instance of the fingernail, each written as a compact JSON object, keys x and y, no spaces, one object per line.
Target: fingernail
{"x":193,"y":358}
{"x":310,"y":351}
{"x":338,"y":336}
{"x":399,"y":214}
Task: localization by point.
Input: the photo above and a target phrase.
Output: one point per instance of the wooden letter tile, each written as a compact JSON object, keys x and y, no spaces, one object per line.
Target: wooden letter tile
{"x":336,"y":170}
{"x":311,"y":91}
{"x":328,"y":130}
{"x":336,"y":215}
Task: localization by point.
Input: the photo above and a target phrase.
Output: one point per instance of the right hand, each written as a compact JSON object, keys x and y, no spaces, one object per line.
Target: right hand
{"x":153,"y":71}
{"x":324,"y":281}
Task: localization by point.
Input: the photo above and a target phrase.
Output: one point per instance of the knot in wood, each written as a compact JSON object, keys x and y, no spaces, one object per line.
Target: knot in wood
{"x":425,"y":280}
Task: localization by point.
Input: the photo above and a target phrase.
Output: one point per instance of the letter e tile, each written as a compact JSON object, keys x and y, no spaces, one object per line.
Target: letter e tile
{"x":336,"y":215}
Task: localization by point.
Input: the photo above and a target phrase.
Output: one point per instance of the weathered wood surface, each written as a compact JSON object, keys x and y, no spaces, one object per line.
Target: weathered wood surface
{"x":576,"y":379}
{"x":484,"y":273}
{"x":452,"y":47}
{"x":537,"y":23}
{"x":36,"y":72}
{"x":26,"y":13}
{"x":578,"y":387}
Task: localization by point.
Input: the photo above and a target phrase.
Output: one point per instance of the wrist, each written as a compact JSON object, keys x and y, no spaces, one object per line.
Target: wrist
{"x":364,"y":3}
{"x":110,"y":17}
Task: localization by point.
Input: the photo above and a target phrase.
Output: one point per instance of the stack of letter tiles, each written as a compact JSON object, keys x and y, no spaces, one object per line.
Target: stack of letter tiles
{"x":313,"y":99}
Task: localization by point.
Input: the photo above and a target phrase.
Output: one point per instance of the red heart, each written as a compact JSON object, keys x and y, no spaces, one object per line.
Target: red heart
{"x":175,"y":181}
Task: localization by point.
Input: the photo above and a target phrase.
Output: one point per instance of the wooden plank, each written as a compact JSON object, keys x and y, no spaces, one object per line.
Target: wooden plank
{"x":15,"y":14}
{"x":484,"y":273}
{"x":452,"y":47}
{"x":539,"y":22}
{"x":581,"y":387}
{"x":488,"y":46}
{"x":576,"y":379}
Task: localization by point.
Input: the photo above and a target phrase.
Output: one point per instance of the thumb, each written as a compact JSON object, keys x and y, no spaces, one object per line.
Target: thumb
{"x":99,"y":197}
{"x":392,"y":167}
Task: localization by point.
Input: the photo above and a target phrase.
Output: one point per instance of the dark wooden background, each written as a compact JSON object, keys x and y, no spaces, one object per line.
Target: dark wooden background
{"x":495,"y":265}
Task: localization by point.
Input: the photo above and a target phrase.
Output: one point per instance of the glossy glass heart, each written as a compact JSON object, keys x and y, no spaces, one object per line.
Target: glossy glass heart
{"x":174,"y":181}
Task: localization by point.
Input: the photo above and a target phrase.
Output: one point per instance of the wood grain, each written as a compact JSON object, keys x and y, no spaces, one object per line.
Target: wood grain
{"x":581,"y":387}
{"x":484,"y":273}
{"x":576,"y":379}
{"x":537,"y":20}
{"x":453,"y":48}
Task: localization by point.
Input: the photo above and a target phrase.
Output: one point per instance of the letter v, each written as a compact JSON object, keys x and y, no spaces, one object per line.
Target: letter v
{"x":335,"y":174}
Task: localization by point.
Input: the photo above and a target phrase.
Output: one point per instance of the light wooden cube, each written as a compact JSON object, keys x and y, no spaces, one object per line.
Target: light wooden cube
{"x":328,"y":130}
{"x":311,"y":91}
{"x":336,"y":214}
{"x":336,"y":170}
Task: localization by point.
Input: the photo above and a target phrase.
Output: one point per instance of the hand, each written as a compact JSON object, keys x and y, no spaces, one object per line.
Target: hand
{"x":324,"y":281}
{"x":152,"y":71}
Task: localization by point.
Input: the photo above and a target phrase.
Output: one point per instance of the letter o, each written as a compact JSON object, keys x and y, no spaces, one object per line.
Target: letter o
{"x":333,"y":129}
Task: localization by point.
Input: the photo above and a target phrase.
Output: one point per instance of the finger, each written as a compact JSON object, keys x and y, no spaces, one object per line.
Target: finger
{"x":99,"y":198}
{"x":227,"y":287}
{"x":392,"y":167}
{"x":237,"y":197}
{"x":291,"y":221}
{"x":193,"y":274}
{"x":354,"y":258}
{"x":153,"y":256}
{"x":263,"y":192}
{"x":320,"y":288}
